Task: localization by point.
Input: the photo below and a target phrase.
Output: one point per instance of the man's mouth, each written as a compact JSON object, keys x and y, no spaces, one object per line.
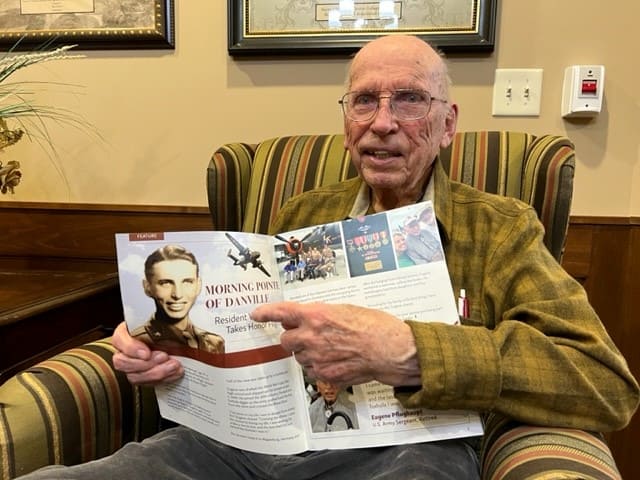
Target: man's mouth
{"x":381,"y":154}
{"x":175,"y":307}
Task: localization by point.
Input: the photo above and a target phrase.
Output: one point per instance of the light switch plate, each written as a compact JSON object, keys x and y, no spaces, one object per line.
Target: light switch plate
{"x":517,"y":92}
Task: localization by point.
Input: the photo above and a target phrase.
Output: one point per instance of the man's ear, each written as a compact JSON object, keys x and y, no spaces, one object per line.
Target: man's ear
{"x":450,"y":124}
{"x":146,"y":287}
{"x":199,"y":286}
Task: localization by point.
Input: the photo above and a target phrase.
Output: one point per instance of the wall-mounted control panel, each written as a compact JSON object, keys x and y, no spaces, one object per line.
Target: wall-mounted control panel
{"x":582,"y":90}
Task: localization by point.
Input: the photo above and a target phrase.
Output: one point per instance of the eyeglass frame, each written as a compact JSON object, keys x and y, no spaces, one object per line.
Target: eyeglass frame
{"x":379,"y":97}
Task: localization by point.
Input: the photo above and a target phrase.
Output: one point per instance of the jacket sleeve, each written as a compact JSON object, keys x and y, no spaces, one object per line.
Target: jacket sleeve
{"x":536,"y":351}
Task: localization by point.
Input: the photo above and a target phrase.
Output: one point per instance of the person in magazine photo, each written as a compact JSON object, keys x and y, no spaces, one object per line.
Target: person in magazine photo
{"x":172,"y":280}
{"x":400,"y":246}
{"x":422,"y":246}
{"x":332,"y":410}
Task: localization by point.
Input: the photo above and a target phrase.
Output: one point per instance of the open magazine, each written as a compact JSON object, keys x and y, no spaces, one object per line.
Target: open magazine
{"x":240,"y":387}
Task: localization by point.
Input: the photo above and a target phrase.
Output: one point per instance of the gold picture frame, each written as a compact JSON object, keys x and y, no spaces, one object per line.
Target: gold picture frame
{"x":274,"y":27}
{"x":91,"y":24}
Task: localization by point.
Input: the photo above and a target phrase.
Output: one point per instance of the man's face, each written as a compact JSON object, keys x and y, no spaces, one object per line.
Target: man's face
{"x":413,"y":228}
{"x":387,"y":152}
{"x":174,"y":286}
{"x":426,"y":217}
{"x":399,"y":243}
{"x":328,"y":391}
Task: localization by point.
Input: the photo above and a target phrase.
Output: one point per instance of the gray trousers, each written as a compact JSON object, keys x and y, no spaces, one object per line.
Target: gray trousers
{"x":183,"y":454}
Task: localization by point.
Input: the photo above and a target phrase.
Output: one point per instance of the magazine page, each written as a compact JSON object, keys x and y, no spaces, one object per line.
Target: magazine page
{"x":190,"y":294}
{"x":391,"y":261}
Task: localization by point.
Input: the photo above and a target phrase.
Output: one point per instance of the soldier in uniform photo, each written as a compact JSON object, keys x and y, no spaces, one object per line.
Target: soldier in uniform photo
{"x":172,"y":280}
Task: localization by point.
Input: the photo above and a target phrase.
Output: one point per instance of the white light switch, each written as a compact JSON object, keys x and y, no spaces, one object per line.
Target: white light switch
{"x":517,"y":92}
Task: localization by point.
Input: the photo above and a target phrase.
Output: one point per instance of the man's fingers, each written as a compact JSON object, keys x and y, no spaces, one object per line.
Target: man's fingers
{"x":288,"y":314}
{"x":127,"y":364}
{"x":161,"y":368}
{"x":128,"y":345}
{"x":142,"y":365}
{"x":309,"y":372}
{"x":155,"y":376}
{"x":290,"y":342}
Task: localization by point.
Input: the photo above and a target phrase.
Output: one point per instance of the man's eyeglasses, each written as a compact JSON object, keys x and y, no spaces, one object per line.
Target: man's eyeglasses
{"x":405,"y":104}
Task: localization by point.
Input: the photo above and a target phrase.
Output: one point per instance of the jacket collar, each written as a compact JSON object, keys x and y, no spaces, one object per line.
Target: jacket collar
{"x":442,"y":202}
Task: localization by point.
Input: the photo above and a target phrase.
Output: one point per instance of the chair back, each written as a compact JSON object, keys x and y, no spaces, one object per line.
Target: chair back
{"x":248,"y":183}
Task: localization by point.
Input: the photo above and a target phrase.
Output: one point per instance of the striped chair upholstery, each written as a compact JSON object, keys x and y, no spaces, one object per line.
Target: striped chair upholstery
{"x":228,"y":178}
{"x":513,"y":451}
{"x":264,"y":176}
{"x":70,"y":409}
{"x":537,"y":170}
{"x":248,"y":184}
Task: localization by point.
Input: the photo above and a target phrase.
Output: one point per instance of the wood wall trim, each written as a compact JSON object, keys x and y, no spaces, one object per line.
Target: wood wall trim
{"x":86,"y":231}
{"x":105,"y":207}
{"x":598,"y":220}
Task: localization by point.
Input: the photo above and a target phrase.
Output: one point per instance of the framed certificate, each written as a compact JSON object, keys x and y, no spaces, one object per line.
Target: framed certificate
{"x":91,"y":24}
{"x":272,"y":27}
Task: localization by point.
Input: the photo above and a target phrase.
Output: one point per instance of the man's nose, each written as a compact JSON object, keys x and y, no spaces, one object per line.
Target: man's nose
{"x":384,"y":103}
{"x":384,"y":117}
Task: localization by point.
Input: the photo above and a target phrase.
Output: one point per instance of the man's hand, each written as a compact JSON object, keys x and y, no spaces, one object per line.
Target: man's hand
{"x":141,"y":364}
{"x":345,"y":344}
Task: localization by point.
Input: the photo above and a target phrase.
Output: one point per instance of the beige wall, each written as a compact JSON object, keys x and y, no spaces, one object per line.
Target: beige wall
{"x":162,"y":113}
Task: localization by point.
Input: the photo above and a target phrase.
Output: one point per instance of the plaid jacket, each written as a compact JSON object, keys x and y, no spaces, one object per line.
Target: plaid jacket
{"x":532,"y":348}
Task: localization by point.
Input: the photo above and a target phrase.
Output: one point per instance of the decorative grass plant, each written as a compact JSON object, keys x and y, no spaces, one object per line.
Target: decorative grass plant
{"x":21,"y":116}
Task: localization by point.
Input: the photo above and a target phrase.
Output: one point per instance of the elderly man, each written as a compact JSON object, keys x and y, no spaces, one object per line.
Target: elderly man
{"x":532,"y":349}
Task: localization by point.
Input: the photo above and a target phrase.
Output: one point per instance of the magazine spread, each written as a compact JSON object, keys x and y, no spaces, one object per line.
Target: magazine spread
{"x":191,"y":294}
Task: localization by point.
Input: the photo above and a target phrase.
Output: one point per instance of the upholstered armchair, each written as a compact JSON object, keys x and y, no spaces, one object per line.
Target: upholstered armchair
{"x":536,"y":170}
{"x":75,"y":407}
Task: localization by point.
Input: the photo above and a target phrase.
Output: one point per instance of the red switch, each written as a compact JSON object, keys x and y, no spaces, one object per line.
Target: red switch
{"x":589,"y":86}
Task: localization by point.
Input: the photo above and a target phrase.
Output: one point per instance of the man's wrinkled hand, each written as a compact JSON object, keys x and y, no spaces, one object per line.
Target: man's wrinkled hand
{"x":345,"y":344}
{"x":142,"y":365}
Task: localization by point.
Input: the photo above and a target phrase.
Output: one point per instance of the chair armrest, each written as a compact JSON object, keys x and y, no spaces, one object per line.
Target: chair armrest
{"x":513,"y":451}
{"x":228,"y":176}
{"x":69,"y":409}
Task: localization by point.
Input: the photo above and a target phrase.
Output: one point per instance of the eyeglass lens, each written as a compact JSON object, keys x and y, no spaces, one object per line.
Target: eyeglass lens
{"x":405,"y":104}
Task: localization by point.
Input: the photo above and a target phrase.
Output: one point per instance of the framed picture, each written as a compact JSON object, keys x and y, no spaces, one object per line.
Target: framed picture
{"x":273,"y":27}
{"x":91,"y":24}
